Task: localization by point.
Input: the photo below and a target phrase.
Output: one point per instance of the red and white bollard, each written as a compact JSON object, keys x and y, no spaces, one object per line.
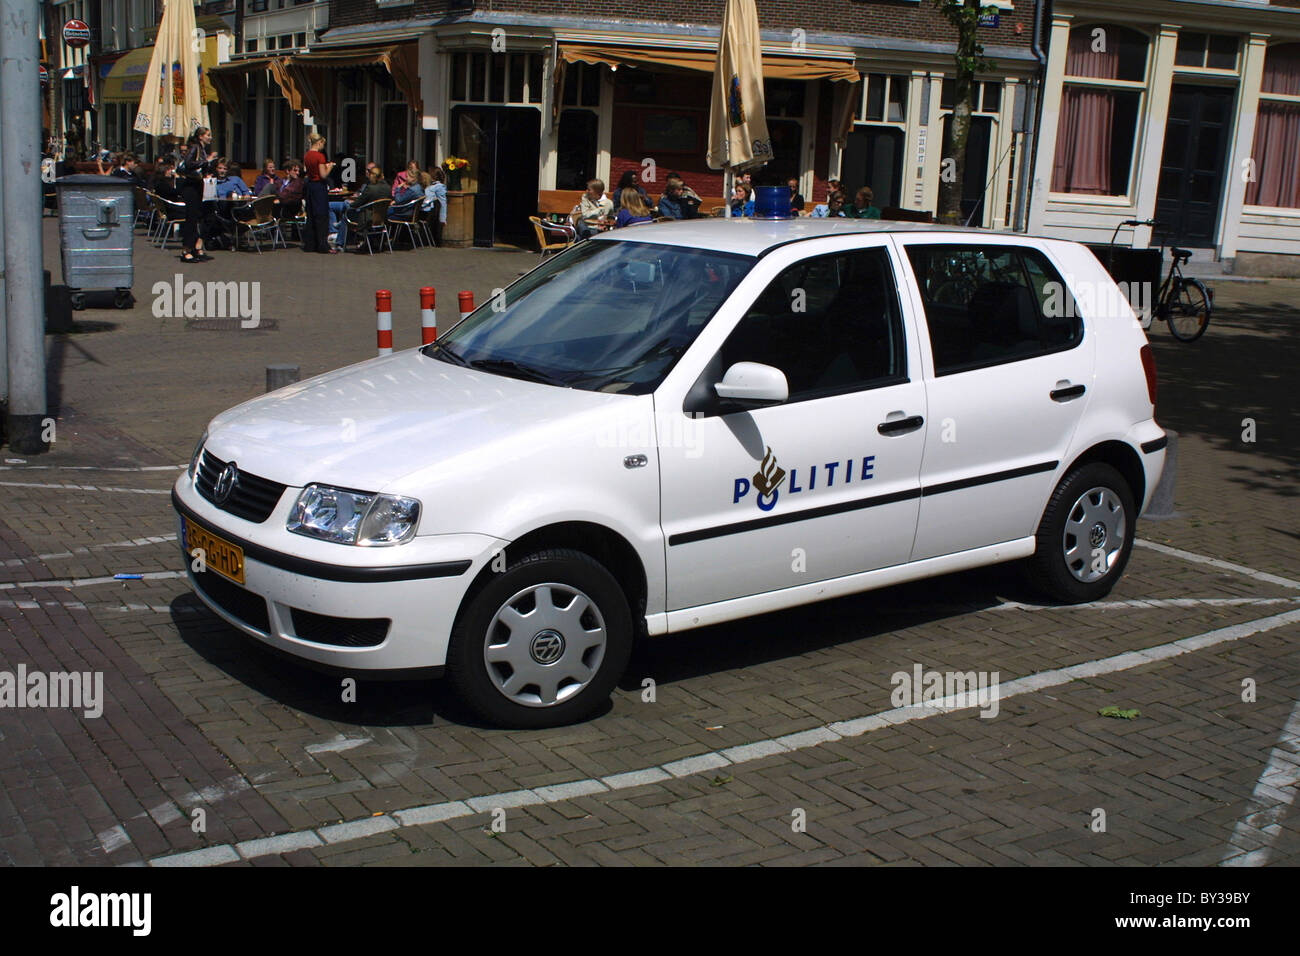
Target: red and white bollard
{"x":384,"y":321}
{"x":466,"y":303}
{"x":428,"y":317}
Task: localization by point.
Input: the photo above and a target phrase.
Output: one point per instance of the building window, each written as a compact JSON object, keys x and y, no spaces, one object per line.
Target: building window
{"x":581,"y":85}
{"x":478,"y":77}
{"x":250,"y":46}
{"x":1206,"y":51}
{"x":884,"y":99}
{"x":575,"y":151}
{"x":986,"y":97}
{"x":1105,"y":70}
{"x":1276,"y":153}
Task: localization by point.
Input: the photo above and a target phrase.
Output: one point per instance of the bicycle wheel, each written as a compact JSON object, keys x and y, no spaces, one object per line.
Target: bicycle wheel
{"x":1188,"y":312}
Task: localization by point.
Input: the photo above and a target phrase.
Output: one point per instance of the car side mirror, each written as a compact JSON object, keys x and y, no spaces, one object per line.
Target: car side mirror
{"x":752,"y":385}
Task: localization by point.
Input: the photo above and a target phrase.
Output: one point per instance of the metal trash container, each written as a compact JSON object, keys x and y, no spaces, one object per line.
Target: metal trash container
{"x":96,"y":220}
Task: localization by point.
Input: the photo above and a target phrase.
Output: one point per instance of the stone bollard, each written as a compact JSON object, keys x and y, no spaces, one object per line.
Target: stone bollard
{"x":280,"y":375}
{"x":1162,"y":499}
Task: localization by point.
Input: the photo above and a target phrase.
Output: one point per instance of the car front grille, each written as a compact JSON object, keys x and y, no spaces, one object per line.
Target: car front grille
{"x":240,"y":604}
{"x":252,"y":498}
{"x":339,"y":631}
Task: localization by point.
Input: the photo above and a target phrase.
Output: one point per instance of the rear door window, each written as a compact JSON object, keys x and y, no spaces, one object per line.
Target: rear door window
{"x":991,"y":304}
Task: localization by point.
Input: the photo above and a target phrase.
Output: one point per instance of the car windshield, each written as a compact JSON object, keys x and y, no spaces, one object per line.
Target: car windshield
{"x":606,"y":315}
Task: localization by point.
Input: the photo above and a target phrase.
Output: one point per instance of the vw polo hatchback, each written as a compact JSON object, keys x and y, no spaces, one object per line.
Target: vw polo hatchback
{"x":676,"y":425}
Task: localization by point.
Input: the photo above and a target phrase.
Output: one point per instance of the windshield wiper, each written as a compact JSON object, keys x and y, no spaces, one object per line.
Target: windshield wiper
{"x":513,"y":368}
{"x":443,"y":350}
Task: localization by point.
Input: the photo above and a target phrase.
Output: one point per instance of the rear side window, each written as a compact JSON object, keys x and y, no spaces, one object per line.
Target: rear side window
{"x":986,"y":305}
{"x":831,"y":323}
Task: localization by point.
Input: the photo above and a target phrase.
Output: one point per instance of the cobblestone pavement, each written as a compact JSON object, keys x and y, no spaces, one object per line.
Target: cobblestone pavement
{"x":754,"y":748}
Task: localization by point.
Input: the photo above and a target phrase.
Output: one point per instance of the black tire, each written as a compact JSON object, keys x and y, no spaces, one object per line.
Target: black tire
{"x":479,"y":685}
{"x":1051,"y":569}
{"x":122,"y":299}
{"x":78,"y":301}
{"x":1189,"y":310}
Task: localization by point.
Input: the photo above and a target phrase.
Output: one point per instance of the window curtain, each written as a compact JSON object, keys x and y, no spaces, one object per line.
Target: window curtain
{"x":1277,"y":134}
{"x":1086,"y":131}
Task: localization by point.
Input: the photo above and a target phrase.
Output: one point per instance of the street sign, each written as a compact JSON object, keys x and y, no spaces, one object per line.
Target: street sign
{"x":76,"y":34}
{"x":990,"y":19}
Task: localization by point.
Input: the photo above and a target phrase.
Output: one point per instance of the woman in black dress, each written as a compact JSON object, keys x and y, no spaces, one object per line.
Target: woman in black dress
{"x":196,"y":163}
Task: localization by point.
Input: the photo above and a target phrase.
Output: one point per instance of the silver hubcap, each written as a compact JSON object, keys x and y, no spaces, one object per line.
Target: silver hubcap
{"x":1094,"y":534}
{"x":544,"y":645}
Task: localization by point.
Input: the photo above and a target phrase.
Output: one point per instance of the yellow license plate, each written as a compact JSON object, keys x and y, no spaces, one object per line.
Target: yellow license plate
{"x":218,"y":554}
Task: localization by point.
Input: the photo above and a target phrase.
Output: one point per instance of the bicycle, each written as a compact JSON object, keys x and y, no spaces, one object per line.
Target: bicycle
{"x":1184,"y":304}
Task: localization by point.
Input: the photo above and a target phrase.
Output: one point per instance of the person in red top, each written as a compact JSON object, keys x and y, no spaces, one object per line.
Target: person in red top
{"x":316,"y":166}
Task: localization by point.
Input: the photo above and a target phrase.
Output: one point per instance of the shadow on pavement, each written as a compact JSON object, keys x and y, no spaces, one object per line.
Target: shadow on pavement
{"x":721,"y":648}
{"x":1241,"y":368}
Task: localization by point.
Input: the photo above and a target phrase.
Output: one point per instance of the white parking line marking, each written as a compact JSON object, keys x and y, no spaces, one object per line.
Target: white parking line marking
{"x":133,"y":491}
{"x":114,"y":838}
{"x":337,"y":745}
{"x":81,"y":551}
{"x":1274,"y":793}
{"x":1217,"y":563}
{"x":87,"y":582}
{"x":712,"y":760}
{"x":133,"y":468}
{"x":1140,"y":604}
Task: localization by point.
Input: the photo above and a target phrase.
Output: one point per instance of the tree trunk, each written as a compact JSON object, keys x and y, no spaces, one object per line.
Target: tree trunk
{"x":952,"y":175}
{"x":964,"y":16}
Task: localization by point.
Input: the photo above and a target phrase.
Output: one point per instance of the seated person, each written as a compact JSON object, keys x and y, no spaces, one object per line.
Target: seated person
{"x":291,"y":184}
{"x":266,"y":178}
{"x":862,"y":207}
{"x":742,"y":199}
{"x":410,"y":189}
{"x":164,"y":180}
{"x":629,"y":181}
{"x":594,"y":212}
{"x":633,"y":211}
{"x":376,"y":187}
{"x":435,"y":191}
{"x":229,"y":182}
{"x":832,"y":208}
{"x":675,"y":203}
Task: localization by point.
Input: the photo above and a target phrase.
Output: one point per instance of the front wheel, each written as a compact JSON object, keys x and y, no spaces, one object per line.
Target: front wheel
{"x":1189,"y":310}
{"x":1085,"y":536}
{"x":542,"y":643}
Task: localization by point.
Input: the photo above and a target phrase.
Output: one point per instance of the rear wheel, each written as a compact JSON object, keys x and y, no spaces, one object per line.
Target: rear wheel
{"x":1085,"y":536}
{"x":1189,"y":311}
{"x":542,"y":643}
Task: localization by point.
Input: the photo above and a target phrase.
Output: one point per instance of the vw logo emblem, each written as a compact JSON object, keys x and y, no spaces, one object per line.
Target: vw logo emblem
{"x":225,"y":484}
{"x":547,"y":646}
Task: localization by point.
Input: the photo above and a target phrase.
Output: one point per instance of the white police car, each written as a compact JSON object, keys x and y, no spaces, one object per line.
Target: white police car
{"x":675,"y":425}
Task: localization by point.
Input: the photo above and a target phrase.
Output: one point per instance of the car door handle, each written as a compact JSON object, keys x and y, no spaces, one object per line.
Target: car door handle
{"x":900,"y":425}
{"x":1067,"y":392}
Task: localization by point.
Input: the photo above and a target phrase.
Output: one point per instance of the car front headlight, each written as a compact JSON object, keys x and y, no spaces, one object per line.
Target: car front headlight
{"x":354,"y":517}
{"x":194,"y":458}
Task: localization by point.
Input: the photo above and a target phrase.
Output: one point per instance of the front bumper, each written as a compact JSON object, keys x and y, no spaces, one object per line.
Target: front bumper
{"x":369,"y":614}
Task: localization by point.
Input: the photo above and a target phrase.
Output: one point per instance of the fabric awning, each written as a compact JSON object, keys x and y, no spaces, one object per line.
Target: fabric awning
{"x":123,"y":78}
{"x":231,"y":79}
{"x":399,"y":59}
{"x":704,"y":61}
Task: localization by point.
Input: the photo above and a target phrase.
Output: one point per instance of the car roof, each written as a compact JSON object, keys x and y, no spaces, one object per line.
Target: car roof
{"x":755,"y":236}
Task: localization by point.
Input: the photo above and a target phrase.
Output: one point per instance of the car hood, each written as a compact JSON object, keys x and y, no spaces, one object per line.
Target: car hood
{"x":369,"y":425}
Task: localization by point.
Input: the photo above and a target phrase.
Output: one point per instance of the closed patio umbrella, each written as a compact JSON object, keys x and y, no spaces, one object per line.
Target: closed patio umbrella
{"x":174,"y":102}
{"x":738,"y":137}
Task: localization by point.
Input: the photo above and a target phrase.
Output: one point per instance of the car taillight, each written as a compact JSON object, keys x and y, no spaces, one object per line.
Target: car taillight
{"x":1149,"y":366}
